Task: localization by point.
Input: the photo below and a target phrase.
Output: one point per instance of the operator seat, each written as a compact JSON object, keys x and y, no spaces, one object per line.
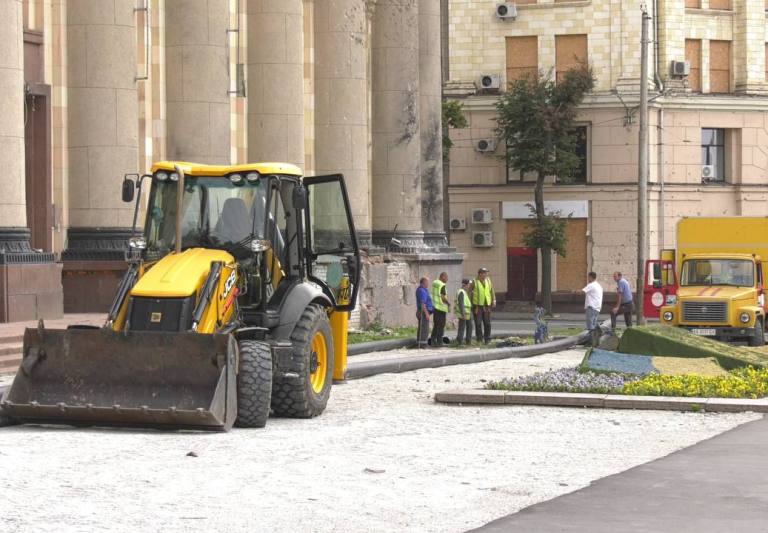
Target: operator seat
{"x":234,"y":224}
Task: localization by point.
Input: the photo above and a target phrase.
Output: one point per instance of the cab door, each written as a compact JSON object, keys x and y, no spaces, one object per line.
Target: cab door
{"x":660,"y":285}
{"x":333,"y":255}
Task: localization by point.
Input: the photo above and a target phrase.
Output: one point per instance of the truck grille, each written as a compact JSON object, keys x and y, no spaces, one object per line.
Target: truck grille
{"x":705,"y":311}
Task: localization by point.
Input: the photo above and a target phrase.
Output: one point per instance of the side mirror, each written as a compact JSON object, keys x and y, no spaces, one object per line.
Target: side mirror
{"x":129,"y":188}
{"x":300,"y":197}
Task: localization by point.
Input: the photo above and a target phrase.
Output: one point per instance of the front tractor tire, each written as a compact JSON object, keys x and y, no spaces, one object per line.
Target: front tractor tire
{"x":758,"y":339}
{"x":254,"y":384}
{"x":306,"y":395}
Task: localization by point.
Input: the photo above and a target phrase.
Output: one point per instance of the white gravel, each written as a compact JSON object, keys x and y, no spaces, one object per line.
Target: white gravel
{"x":383,"y":457}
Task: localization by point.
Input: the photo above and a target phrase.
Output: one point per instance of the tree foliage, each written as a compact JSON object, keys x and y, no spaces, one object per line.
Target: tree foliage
{"x":453,"y":117}
{"x":536,"y":120}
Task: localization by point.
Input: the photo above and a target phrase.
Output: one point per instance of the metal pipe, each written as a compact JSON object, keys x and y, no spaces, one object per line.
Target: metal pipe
{"x":662,"y":199}
{"x":656,"y":52}
{"x":147,"y":38}
{"x":179,"y":206}
{"x":642,"y":174}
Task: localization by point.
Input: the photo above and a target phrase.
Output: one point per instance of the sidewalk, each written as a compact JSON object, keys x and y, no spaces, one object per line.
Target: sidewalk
{"x":718,"y":485}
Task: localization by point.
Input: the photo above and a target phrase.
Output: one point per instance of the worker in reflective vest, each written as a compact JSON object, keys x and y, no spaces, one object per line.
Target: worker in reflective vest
{"x":483,"y":300}
{"x":463,"y":309}
{"x":442,"y":305}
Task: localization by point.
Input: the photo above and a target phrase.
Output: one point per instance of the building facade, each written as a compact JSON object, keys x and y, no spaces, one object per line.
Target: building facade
{"x":708,"y":129}
{"x":94,"y":89}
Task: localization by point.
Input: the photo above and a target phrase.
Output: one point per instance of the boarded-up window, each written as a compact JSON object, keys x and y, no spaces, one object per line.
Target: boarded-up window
{"x":720,"y":4}
{"x":521,"y":2}
{"x":570,"y":52}
{"x":719,"y":66}
{"x":692,"y":3}
{"x":522,"y":57}
{"x":693,"y":56}
{"x":572,"y":269}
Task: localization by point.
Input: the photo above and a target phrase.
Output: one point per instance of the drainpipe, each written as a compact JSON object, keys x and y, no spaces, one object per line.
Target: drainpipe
{"x":660,"y":123}
{"x":657,"y":55}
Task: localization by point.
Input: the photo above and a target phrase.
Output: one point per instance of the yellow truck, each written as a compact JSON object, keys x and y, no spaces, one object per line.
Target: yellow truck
{"x":720,"y":263}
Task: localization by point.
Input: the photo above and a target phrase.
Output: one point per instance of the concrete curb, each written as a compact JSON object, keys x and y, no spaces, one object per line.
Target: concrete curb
{"x":607,"y":401}
{"x":405,"y":364}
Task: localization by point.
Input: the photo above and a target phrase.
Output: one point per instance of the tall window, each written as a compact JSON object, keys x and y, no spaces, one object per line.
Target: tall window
{"x":693,"y":56}
{"x":522,"y":57}
{"x":713,"y":155}
{"x":579,"y":175}
{"x":570,"y":52}
{"x":719,"y":66}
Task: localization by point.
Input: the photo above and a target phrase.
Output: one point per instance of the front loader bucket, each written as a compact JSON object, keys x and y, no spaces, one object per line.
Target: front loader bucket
{"x":99,"y":377}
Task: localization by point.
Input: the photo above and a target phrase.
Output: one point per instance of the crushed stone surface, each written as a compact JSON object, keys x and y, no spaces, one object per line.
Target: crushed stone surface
{"x":383,"y":457}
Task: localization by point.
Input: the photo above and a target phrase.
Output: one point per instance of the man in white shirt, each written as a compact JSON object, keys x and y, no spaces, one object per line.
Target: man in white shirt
{"x":593,"y":301}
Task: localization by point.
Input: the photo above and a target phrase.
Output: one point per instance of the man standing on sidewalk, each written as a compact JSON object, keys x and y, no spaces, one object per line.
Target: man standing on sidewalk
{"x":424,"y":308}
{"x":624,"y":303}
{"x":483,"y":299}
{"x":463,"y":309}
{"x":442,"y":306}
{"x":593,"y":301}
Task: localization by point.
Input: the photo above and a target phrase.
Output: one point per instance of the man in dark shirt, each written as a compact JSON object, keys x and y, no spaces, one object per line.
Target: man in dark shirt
{"x":424,"y":309}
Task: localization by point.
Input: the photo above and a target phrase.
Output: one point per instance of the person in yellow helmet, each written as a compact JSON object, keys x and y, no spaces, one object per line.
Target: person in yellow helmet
{"x":483,"y":300}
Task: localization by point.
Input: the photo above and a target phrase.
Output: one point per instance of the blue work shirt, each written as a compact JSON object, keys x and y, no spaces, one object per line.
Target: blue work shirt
{"x":626,"y":292}
{"x":422,"y":296}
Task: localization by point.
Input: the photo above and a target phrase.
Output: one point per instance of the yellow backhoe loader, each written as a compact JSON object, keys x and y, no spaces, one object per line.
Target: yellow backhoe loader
{"x":235,"y":305}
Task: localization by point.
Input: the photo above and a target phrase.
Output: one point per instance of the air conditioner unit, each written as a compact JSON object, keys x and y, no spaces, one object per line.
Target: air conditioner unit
{"x":482,"y":239}
{"x":506,"y":11}
{"x":458,"y":224}
{"x":490,"y":82}
{"x":681,"y":68}
{"x":485,"y":145}
{"x":482,"y":216}
{"x":707,"y":172}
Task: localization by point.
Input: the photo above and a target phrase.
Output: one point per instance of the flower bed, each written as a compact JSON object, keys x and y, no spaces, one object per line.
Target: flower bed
{"x":740,"y":383}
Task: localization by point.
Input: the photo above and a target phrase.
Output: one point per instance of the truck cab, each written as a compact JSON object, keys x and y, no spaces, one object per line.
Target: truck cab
{"x":719,"y":295}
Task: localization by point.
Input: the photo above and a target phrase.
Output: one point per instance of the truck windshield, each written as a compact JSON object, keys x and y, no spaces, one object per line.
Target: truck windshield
{"x":735,"y":272}
{"x":216,"y":213}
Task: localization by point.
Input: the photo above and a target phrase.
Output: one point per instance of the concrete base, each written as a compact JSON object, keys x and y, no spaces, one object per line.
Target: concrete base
{"x":389,"y":284}
{"x":90,"y":286}
{"x":30,"y":291}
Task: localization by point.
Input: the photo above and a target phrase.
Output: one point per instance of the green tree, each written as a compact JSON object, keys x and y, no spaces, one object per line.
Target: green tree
{"x":453,"y":117}
{"x":536,"y":120}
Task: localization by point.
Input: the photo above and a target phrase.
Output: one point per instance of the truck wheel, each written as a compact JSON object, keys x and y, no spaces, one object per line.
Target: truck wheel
{"x":307,"y":395}
{"x":759,"y":337}
{"x":254,"y":384}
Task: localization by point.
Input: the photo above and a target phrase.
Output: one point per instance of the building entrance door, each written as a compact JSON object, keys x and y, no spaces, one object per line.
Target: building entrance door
{"x":522,"y":273}
{"x":38,"y":167}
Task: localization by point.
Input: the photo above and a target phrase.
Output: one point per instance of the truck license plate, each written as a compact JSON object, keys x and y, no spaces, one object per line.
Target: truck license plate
{"x":704,"y":332}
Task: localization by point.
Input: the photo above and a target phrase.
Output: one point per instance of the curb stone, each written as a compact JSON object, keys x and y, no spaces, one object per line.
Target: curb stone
{"x":406,"y":364}
{"x":395,"y":344}
{"x":607,"y":401}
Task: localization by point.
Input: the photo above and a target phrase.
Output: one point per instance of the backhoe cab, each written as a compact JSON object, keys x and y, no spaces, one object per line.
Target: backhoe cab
{"x":234,"y":305}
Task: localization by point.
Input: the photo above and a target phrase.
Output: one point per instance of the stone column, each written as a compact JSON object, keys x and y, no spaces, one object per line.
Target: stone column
{"x":197,"y":80}
{"x":102,"y":111}
{"x":276,"y":80}
{"x":626,"y":32}
{"x":102,"y":107}
{"x":671,"y":39}
{"x":430,"y":107}
{"x":749,"y":46}
{"x":341,"y":101}
{"x":396,"y":122}
{"x":13,"y":210}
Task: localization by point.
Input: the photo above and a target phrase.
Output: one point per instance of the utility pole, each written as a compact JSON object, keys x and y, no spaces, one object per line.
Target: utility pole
{"x":642,"y":174}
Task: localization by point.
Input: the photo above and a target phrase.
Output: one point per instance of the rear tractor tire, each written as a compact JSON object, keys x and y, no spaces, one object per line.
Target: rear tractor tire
{"x":759,"y":337}
{"x":307,"y":395}
{"x":254,"y":385}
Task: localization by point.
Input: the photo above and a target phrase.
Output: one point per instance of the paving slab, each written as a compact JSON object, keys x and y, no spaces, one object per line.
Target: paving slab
{"x":718,"y":485}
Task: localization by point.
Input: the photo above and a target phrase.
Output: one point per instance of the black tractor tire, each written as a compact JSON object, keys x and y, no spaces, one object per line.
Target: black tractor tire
{"x":254,"y":384}
{"x":758,"y":339}
{"x":295,"y":397}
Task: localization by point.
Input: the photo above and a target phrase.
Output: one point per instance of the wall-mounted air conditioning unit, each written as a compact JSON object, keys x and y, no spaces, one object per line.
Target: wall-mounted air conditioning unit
{"x":482,"y":239}
{"x":458,"y":224}
{"x":486,"y":145}
{"x":489,"y":82}
{"x":707,"y":172}
{"x":506,"y":11}
{"x":482,"y":216}
{"x":681,"y":68}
